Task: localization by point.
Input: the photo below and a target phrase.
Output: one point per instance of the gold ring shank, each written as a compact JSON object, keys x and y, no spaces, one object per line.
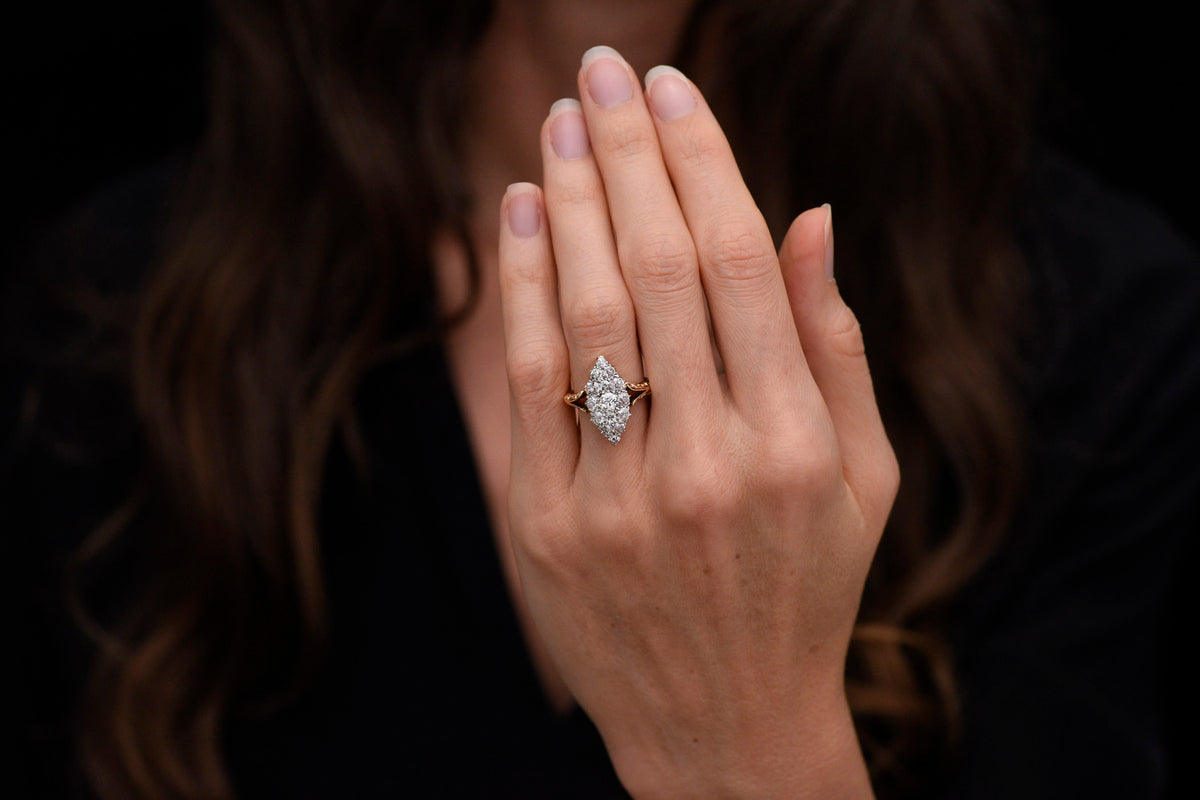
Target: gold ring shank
{"x":636,"y":392}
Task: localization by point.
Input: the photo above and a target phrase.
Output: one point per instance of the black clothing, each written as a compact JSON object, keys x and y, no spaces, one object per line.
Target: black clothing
{"x":429,"y":684}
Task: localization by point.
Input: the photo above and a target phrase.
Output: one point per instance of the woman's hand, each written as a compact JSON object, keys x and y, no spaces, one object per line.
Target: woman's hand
{"x":697,"y":583}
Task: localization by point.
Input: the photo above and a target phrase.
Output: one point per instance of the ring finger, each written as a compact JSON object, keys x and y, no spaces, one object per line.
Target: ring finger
{"x":597,"y":312}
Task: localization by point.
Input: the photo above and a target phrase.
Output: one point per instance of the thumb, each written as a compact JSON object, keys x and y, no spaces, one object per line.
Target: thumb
{"x":833,"y":346}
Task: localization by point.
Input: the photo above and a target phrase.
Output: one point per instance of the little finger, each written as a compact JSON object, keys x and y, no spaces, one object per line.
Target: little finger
{"x":545,"y":439}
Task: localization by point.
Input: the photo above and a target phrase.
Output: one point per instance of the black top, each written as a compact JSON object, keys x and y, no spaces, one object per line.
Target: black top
{"x":429,"y":683}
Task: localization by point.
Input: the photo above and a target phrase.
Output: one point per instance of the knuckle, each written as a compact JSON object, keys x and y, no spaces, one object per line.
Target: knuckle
{"x":794,"y":465}
{"x":573,"y":193}
{"x":696,"y":500}
{"x":613,"y":533}
{"x":551,"y":549}
{"x":844,"y":334}
{"x":517,"y":274}
{"x":738,"y":253}
{"x":535,"y":370}
{"x":697,"y":491}
{"x":821,"y":468}
{"x":782,"y":454}
{"x":702,"y":152}
{"x":875,"y":488}
{"x":628,"y":139}
{"x":664,"y":262}
{"x":600,"y":319}
{"x":887,"y":481}
{"x":540,"y":526}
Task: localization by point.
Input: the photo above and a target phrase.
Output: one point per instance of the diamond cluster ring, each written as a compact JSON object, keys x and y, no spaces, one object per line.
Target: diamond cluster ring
{"x":607,"y":399}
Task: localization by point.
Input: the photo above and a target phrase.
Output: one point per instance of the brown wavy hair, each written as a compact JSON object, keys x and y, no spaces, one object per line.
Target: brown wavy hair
{"x":301,"y":257}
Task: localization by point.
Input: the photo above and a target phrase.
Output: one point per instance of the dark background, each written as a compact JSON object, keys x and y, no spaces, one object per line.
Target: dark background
{"x":101,"y":89}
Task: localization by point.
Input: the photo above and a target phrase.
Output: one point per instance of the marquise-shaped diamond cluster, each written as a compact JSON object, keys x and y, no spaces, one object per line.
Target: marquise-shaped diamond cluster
{"x":607,"y":400}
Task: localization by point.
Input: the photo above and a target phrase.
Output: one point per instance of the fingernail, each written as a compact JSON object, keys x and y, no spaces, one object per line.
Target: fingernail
{"x":671,"y":96}
{"x":607,"y":77}
{"x":568,"y":132}
{"x":524,"y":211}
{"x":828,"y":240}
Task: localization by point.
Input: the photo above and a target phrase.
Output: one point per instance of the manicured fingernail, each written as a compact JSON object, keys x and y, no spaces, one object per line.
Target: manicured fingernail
{"x":828,"y":240}
{"x":669,"y":93}
{"x":607,"y":77}
{"x":524,"y":211}
{"x":568,"y":131}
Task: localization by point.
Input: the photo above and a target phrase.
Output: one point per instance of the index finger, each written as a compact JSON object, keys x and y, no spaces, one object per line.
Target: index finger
{"x":752,"y":318}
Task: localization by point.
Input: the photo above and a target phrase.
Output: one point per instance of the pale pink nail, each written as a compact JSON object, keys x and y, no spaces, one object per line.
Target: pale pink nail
{"x":669,"y":94}
{"x":607,"y":77}
{"x":524,"y":211}
{"x":568,"y":131}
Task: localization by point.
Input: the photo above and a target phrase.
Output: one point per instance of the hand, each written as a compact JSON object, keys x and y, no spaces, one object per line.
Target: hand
{"x":696,"y":584}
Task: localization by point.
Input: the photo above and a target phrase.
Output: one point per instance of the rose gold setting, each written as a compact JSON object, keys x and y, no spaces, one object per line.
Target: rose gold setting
{"x":608,"y":399}
{"x":636,"y":392}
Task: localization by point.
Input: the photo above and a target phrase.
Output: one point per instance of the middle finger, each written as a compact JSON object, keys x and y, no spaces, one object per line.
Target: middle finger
{"x":654,"y":245}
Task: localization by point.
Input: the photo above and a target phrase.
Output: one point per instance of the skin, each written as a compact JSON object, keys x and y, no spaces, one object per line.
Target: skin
{"x":527,"y":60}
{"x":693,"y":587}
